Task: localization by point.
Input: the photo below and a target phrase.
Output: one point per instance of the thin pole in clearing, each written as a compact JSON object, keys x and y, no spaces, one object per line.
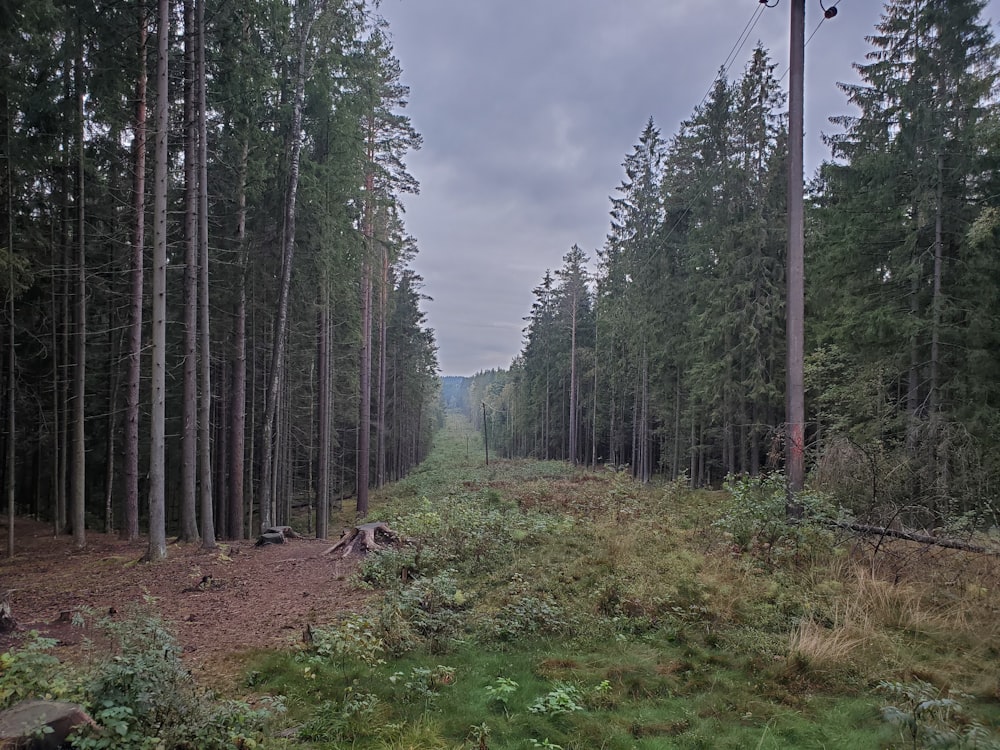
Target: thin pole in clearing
{"x":486,"y":436}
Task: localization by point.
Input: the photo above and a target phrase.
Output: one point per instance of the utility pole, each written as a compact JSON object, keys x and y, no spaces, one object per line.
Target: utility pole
{"x":486,"y":436}
{"x":795,"y":302}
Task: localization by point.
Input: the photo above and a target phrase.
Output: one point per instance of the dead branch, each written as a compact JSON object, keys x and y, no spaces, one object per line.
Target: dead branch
{"x":915,"y":536}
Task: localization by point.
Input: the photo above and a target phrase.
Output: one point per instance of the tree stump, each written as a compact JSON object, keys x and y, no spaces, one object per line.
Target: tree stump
{"x":276,"y":535}
{"x":41,"y":725}
{"x":364,"y":538}
{"x":7,"y":621}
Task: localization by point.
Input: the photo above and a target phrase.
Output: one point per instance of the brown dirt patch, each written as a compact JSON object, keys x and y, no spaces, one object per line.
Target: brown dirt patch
{"x":258,"y":597}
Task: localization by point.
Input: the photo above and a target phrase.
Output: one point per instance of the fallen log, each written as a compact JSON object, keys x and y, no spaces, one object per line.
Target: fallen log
{"x":915,"y":536}
{"x":365,"y":538}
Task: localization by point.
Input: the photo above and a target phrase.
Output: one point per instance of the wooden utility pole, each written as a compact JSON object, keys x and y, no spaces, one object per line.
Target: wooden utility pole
{"x":486,"y":436}
{"x":795,"y":303}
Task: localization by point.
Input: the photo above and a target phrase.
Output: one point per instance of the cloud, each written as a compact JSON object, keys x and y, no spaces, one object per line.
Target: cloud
{"x":529,"y":107}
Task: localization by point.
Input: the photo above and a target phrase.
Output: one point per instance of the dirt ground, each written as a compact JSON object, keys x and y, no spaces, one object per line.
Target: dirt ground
{"x":221,"y":604}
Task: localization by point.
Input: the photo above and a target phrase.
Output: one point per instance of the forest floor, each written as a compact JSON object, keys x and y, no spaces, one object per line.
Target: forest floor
{"x":221,"y":603}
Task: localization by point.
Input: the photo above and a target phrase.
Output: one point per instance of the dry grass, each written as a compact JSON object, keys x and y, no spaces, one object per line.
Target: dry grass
{"x":875,"y":627}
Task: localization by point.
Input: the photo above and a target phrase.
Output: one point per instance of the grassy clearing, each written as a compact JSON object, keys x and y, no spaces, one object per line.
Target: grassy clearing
{"x":544,"y":606}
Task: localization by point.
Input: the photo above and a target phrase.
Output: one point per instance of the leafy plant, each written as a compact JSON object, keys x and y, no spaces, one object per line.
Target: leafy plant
{"x":755,"y":518}
{"x":527,"y":615}
{"x":352,"y":718}
{"x":929,"y":717}
{"x":479,"y":734}
{"x":500,"y":693}
{"x":434,"y":608}
{"x":352,"y":640}
{"x":145,"y":693}
{"x":423,"y":683}
{"x":30,"y":671}
{"x":563,"y":699}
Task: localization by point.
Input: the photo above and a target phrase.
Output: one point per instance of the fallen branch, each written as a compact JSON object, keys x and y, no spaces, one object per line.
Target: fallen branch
{"x":914,"y":536}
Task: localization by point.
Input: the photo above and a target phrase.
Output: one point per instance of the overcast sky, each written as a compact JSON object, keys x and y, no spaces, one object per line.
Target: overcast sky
{"x":529,"y":107}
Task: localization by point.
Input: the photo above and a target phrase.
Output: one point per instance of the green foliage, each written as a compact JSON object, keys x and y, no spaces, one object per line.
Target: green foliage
{"x":633,"y":631}
{"x":931,"y":718}
{"x":433,"y":609}
{"x":353,"y":640}
{"x":755,"y":517}
{"x":500,"y":692}
{"x":423,"y":684}
{"x":30,"y":671}
{"x":526,"y":615}
{"x":144,"y":690}
{"x":562,"y":699}
{"x":348,"y":720}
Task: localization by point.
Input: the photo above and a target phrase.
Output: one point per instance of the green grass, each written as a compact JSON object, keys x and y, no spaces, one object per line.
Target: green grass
{"x":633,"y":604}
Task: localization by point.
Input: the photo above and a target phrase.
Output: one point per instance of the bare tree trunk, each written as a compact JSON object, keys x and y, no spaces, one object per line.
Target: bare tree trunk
{"x":238,"y":389}
{"x":79,"y":488}
{"x":189,"y":399}
{"x":157,"y":444}
{"x":205,"y":427}
{"x":573,"y":450}
{"x":109,"y":454}
{"x":383,"y":312}
{"x":364,"y":407}
{"x":130,"y":525}
{"x":323,"y":417}
{"x":365,"y":374}
{"x":303,"y":28}
{"x":11,"y":369}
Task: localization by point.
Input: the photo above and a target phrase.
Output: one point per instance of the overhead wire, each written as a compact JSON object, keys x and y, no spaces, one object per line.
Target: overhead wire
{"x":727,"y":64}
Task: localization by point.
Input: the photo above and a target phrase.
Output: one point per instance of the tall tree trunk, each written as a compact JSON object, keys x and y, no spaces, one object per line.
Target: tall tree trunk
{"x":130,"y":525}
{"x":189,"y":399}
{"x":114,"y":347}
{"x":79,"y":488}
{"x":323,"y":416}
{"x":365,"y":402}
{"x":238,"y":389}
{"x":572,"y":386}
{"x":157,"y":443}
{"x":267,"y":499}
{"x":205,"y":427}
{"x":7,"y":192}
{"x":383,"y":323}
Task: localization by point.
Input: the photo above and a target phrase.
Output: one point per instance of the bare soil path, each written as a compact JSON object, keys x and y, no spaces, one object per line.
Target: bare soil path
{"x":220,"y":603}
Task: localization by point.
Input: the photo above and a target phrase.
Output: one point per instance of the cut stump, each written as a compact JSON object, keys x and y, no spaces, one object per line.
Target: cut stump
{"x":41,"y":725}
{"x":7,"y":621}
{"x":276,"y":535}
{"x":364,"y":538}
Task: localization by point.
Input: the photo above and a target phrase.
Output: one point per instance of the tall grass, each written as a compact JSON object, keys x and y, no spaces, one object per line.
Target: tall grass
{"x":638,"y":602}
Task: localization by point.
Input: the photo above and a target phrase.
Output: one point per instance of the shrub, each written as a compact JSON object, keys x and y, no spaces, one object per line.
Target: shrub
{"x":928,"y":717}
{"x":526,"y":615}
{"x":144,"y":693}
{"x":32,"y":672}
{"x":432,"y":608}
{"x":755,"y":518}
{"x":353,"y":639}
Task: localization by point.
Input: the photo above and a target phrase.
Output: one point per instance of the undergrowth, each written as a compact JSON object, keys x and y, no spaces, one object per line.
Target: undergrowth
{"x":540,"y":605}
{"x":136,"y":689}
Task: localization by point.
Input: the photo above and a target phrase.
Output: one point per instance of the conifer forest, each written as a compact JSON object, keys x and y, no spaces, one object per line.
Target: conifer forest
{"x":210,"y":313}
{"x":211,"y":317}
{"x":664,"y":351}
